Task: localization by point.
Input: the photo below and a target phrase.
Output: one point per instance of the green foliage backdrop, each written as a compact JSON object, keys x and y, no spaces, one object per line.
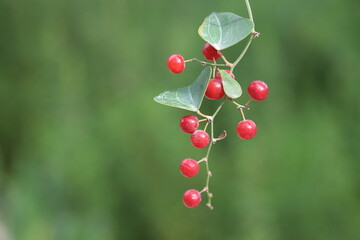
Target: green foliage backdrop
{"x":85,"y":152}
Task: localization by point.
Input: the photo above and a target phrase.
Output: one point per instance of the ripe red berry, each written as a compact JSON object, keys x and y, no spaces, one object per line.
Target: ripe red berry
{"x":209,"y":52}
{"x":200,"y":139}
{"x":218,"y":76}
{"x":189,"y":123}
{"x":176,"y":63}
{"x":258,"y":90}
{"x":189,"y":167}
{"x":215,"y":89}
{"x":246,"y":129}
{"x":192,"y":198}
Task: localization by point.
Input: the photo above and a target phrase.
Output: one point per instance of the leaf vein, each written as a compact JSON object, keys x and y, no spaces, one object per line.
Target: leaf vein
{"x":191,"y":97}
{"x":213,"y":41}
{"x":180,"y":99}
{"x":220,"y":28}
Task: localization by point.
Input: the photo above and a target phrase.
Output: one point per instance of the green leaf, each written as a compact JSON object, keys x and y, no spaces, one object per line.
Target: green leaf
{"x":189,"y":97}
{"x":222,"y":30}
{"x":231,"y":87}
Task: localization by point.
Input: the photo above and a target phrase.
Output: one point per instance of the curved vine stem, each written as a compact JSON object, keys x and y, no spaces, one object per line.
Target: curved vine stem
{"x":209,"y":174}
{"x":249,"y":10}
{"x":242,"y":53}
{"x":252,"y":36}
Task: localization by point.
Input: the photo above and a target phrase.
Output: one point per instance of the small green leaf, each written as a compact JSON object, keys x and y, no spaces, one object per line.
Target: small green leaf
{"x":222,"y":30}
{"x":189,"y":97}
{"x":231,"y":87}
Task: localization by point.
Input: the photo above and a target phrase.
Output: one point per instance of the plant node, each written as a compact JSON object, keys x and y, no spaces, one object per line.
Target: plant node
{"x":204,"y":190}
{"x":255,"y":34}
{"x":210,"y":206}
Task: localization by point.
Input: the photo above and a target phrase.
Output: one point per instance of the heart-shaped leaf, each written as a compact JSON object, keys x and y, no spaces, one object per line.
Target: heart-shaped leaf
{"x":189,"y":97}
{"x":222,"y":30}
{"x":231,"y":87}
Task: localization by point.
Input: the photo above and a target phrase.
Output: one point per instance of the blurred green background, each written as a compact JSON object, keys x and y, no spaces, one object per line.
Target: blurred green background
{"x":85,"y":152}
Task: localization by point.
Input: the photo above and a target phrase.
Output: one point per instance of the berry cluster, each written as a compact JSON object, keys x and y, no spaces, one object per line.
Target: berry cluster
{"x":199,"y":138}
{"x":215,"y":82}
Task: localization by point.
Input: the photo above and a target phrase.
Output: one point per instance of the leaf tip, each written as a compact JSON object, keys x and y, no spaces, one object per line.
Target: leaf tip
{"x":159,"y":98}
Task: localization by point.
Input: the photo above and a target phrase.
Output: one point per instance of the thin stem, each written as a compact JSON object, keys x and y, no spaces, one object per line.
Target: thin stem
{"x":249,"y":10}
{"x":201,"y":120}
{"x":205,"y":63}
{"x":242,"y":53}
{"x":208,"y":152}
{"x":252,"y":36}
{"x":201,"y":160}
{"x":248,"y":102}
{"x":241,"y":106}
{"x":203,"y":115}
{"x":206,"y":126}
{"x":207,"y":166}
{"x":238,"y":105}
{"x":218,"y":109}
{"x":242,"y":113}
{"x":228,"y":64}
{"x":214,"y":72}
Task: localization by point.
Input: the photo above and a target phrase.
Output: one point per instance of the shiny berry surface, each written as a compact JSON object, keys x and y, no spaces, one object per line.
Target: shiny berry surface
{"x":189,"y":167}
{"x":215,"y":89}
{"x":176,"y":63}
{"x":192,"y":198}
{"x":189,"y":123}
{"x":258,"y":90}
{"x":209,"y":52}
{"x":200,"y":139}
{"x":218,"y":76}
{"x":246,"y":129}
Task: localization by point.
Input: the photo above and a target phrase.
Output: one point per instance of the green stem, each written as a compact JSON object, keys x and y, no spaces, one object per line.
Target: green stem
{"x":218,"y":109}
{"x":207,"y":155}
{"x":205,"y":63}
{"x":253,"y":34}
{"x":242,"y":53}
{"x":209,"y":174}
{"x":203,"y":115}
{"x":227,"y":63}
{"x":239,"y":106}
{"x":242,"y":113}
{"x":206,"y":125}
{"x":249,"y":10}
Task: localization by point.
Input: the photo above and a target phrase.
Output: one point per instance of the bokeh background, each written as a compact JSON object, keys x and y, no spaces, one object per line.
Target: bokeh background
{"x":85,"y":152}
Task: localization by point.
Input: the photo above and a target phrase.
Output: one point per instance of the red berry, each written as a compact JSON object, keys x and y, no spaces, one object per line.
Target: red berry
{"x":200,"y":139}
{"x":189,"y":167}
{"x":189,"y":123}
{"x":176,"y":63}
{"x":218,"y":76}
{"x":246,"y":129}
{"x":210,"y":53}
{"x":192,"y":198}
{"x":215,"y":89}
{"x":258,"y":90}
